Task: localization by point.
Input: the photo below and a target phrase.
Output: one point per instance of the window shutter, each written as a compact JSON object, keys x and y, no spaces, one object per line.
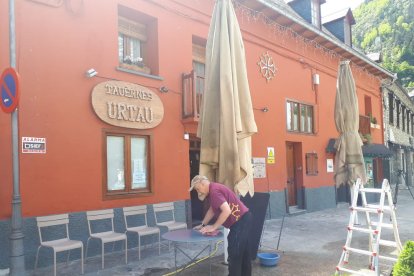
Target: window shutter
{"x":199,"y":53}
{"x":132,"y":28}
{"x":312,"y":164}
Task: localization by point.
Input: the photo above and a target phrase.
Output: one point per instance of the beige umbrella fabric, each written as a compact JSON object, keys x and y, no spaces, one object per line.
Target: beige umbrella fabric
{"x":349,"y":162}
{"x":226,"y":118}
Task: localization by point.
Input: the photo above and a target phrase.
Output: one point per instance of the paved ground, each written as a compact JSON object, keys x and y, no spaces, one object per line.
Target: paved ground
{"x":310,"y":244}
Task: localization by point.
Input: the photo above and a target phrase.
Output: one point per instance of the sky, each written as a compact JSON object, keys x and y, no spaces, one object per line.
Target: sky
{"x":332,"y":6}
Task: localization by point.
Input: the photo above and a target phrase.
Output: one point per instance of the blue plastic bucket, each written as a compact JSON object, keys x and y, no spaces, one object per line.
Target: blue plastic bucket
{"x":268,"y":259}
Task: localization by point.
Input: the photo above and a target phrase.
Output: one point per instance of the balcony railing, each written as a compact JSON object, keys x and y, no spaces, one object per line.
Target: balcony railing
{"x":193,"y":89}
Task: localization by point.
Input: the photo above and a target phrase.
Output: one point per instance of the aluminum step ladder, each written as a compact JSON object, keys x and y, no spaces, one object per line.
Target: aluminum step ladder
{"x":373,"y":229}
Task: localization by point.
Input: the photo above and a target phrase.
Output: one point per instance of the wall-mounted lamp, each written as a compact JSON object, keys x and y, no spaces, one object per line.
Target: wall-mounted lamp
{"x":263,"y":109}
{"x":163,"y":89}
{"x":186,"y":136}
{"x":91,"y":73}
{"x":315,"y":79}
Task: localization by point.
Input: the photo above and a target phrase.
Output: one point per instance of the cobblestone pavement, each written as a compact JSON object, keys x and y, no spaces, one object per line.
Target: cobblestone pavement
{"x":310,"y":244}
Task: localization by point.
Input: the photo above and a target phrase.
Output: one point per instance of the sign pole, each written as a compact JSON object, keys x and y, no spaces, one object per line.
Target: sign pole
{"x":17,"y":265}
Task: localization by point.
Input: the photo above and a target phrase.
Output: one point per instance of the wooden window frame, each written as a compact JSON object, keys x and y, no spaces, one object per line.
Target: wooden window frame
{"x":412,"y":124}
{"x":391,"y":102}
{"x":131,"y":29}
{"x":311,"y":163}
{"x":306,"y":126}
{"x":128,"y":192}
{"x":398,"y":107}
{"x":403,"y":117}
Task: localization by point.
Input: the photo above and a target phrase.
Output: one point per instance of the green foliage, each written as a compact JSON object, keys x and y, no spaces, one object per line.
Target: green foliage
{"x":384,"y":29}
{"x":369,"y":38}
{"x":405,"y":263}
{"x":387,"y":26}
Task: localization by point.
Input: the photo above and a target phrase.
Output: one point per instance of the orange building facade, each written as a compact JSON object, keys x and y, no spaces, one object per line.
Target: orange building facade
{"x":126,"y":136}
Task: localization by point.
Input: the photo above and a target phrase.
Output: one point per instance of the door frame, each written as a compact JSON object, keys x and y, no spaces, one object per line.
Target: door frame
{"x":297,"y":199}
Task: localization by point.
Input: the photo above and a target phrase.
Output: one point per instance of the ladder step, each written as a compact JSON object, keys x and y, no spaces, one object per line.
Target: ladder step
{"x":383,"y":225}
{"x":359,"y":251}
{"x":387,"y":258}
{"x":353,"y":272}
{"x":364,"y":209}
{"x":363,"y":230}
{"x":371,"y":190}
{"x":378,"y":207}
{"x":388,"y":243}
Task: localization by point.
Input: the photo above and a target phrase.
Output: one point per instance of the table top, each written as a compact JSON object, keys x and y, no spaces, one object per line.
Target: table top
{"x":190,"y":235}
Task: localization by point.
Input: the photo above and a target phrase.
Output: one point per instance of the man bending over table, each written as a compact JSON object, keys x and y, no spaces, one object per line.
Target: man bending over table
{"x":232,"y":214}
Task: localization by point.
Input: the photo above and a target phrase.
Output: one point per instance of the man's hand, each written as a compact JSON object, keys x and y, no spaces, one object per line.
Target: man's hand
{"x":208,"y":229}
{"x":198,"y":227}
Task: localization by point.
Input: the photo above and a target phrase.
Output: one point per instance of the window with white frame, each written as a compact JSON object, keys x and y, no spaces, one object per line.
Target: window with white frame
{"x":299,"y":117}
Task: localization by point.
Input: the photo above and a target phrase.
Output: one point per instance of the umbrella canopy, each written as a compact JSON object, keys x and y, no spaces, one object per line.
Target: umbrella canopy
{"x":226,"y":119}
{"x":349,"y":161}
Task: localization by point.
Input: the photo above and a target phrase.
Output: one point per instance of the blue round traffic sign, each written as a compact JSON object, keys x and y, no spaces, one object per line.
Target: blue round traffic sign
{"x":9,"y":90}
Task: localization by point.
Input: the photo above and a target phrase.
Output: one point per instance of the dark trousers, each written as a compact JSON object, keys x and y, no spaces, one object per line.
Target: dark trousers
{"x":239,"y":258}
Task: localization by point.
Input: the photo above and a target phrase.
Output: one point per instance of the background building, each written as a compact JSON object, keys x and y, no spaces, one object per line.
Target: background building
{"x":399,"y":131}
{"x":126,"y":135}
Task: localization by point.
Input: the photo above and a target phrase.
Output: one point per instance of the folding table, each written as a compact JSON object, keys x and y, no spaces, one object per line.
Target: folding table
{"x":190,"y":236}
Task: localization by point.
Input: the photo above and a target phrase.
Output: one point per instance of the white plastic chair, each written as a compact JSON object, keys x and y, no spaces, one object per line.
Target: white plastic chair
{"x":106,"y":236}
{"x":57,"y":245}
{"x":166,"y":210}
{"x":141,"y":230}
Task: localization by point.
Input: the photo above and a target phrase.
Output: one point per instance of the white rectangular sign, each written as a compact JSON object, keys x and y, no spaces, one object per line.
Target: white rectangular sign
{"x":259,"y":167}
{"x":33,"y":145}
{"x":329,"y":165}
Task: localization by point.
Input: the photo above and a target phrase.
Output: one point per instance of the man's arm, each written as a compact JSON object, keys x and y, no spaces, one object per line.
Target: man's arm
{"x":209,"y":215}
{"x":225,"y":213}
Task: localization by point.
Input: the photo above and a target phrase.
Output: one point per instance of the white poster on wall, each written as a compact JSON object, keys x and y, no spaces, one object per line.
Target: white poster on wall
{"x":329,"y":165}
{"x":259,"y":167}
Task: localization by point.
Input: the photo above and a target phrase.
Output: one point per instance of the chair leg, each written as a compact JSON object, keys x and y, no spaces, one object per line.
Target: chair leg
{"x":54,"y":262}
{"x":87,"y":245}
{"x":67,"y":258}
{"x":126,"y":251}
{"x":159,"y":243}
{"x":103,"y":254}
{"x":139,"y":247}
{"x":82,"y":257}
{"x":37,"y":257}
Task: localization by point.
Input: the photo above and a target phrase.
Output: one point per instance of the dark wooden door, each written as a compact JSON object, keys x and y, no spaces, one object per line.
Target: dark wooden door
{"x":291,"y":178}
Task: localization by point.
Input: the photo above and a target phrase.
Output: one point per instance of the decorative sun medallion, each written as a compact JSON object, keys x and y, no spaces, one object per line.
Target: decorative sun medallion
{"x":267,"y":67}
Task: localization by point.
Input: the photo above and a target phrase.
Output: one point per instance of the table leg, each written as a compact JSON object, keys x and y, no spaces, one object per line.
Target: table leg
{"x":192,"y":259}
{"x":209,"y":258}
{"x":175,"y":255}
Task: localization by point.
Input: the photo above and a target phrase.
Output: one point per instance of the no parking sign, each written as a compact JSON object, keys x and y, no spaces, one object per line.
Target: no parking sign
{"x":9,"y":90}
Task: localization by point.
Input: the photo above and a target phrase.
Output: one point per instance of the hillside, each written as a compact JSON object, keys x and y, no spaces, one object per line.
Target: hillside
{"x":387,"y":26}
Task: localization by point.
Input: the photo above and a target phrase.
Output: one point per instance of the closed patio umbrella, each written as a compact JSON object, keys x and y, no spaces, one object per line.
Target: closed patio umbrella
{"x":226,"y":119}
{"x":349,"y":162}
